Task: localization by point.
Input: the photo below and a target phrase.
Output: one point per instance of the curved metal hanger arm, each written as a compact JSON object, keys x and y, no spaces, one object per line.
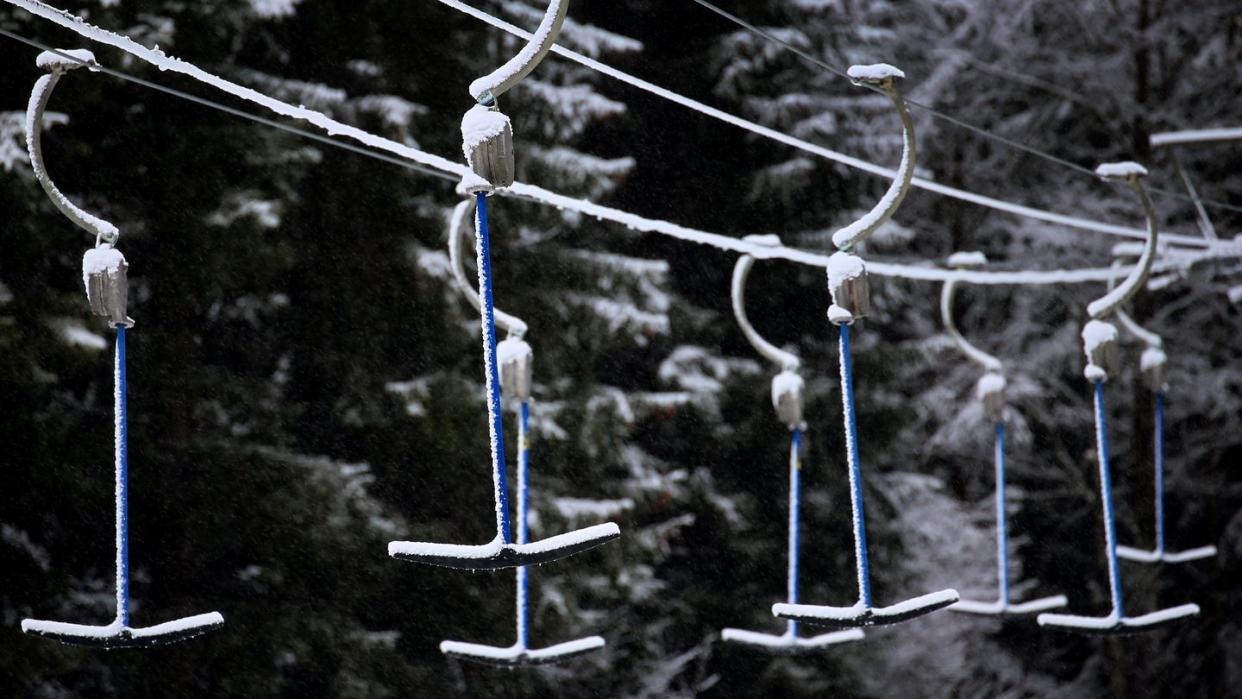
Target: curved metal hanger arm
{"x":976,"y":355}
{"x":58,"y":65}
{"x":1148,"y":337}
{"x":884,"y":77}
{"x":460,"y":229}
{"x":487,"y":88}
{"x":1131,"y":173}
{"x":741,"y":271}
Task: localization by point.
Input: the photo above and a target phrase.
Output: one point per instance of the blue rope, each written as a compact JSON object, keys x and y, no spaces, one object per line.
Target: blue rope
{"x":1106,"y":497}
{"x":1159,"y":447}
{"x":122,"y":486}
{"x":523,"y":532}
{"x":1002,"y":528}
{"x":496,"y":426}
{"x":856,"y":497}
{"x":795,"y":497}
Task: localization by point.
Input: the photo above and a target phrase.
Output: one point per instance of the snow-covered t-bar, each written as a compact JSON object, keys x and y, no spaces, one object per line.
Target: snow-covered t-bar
{"x":332,"y":127}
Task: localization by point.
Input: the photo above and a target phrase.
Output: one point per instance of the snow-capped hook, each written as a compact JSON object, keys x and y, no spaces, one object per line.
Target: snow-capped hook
{"x":787,"y":386}
{"x":1153,"y":360}
{"x":884,"y":77}
{"x":488,"y":88}
{"x":741,"y":272}
{"x":990,"y":390}
{"x":1132,"y":174}
{"x":57,"y":63}
{"x":964,"y":260}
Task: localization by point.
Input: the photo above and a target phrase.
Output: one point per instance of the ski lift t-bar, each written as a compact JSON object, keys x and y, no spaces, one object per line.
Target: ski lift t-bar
{"x":1152,"y":368}
{"x":990,"y":391}
{"x":787,"y":399}
{"x":1100,"y":345}
{"x":847,"y":281}
{"x":104,"y":273}
{"x":487,"y":141}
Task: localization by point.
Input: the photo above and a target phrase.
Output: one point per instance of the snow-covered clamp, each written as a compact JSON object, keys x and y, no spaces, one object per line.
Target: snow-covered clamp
{"x":487,"y":135}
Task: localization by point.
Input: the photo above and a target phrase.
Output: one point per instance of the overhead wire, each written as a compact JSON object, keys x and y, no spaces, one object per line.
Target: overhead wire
{"x":944,"y":116}
{"x":449,"y":170}
{"x":818,"y":150}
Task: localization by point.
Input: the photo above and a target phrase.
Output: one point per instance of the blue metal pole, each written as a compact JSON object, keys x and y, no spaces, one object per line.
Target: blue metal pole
{"x":1002,"y":528}
{"x":523,"y":533}
{"x":1159,"y":448}
{"x":120,"y":438}
{"x":851,"y":444}
{"x":795,"y":497}
{"x":495,"y":424}
{"x":1106,"y":498}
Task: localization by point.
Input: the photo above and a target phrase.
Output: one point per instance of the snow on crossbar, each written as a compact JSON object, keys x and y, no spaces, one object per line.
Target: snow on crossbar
{"x":116,"y":635}
{"x":495,"y":555}
{"x":789,"y":643}
{"x":860,"y":615}
{"x":518,"y":656}
{"x":1114,"y":625}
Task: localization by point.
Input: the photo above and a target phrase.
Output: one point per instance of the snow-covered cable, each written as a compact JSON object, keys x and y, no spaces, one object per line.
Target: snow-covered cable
{"x":961,"y":123}
{"x":813,"y":149}
{"x":1171,"y":138}
{"x":447,"y":169}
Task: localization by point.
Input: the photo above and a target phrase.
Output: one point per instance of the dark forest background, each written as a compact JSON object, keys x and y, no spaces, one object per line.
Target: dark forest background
{"x":305,"y":381}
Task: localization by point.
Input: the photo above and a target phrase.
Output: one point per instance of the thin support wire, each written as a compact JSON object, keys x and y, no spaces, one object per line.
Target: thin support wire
{"x":935,"y":113}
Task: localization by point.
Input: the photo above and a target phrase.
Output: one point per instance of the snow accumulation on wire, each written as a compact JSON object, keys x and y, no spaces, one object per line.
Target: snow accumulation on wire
{"x":805,"y":146}
{"x":538,"y":194}
{"x":967,"y":259}
{"x":1172,"y":138}
{"x":1126,"y":168}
